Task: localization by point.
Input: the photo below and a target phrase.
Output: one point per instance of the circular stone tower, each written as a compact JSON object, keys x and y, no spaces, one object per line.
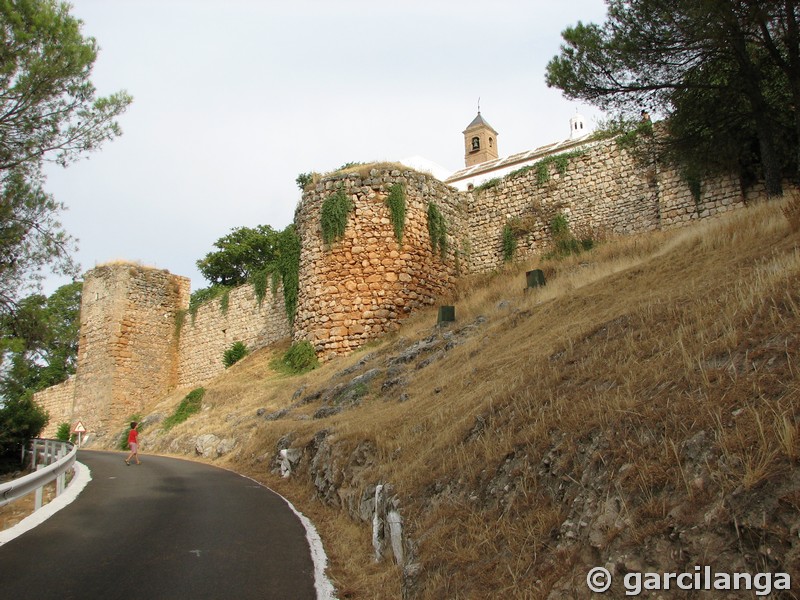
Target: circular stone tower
{"x":365,"y":281}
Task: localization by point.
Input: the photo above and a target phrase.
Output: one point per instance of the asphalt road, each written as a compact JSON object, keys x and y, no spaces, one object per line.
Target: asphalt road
{"x":167,"y":529}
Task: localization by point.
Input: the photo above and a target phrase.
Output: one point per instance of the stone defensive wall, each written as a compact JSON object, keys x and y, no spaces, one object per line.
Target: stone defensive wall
{"x":365,"y":283}
{"x":602,"y":192}
{"x":127,"y":351}
{"x":138,"y":341}
{"x":203,"y":337}
{"x":57,"y":400}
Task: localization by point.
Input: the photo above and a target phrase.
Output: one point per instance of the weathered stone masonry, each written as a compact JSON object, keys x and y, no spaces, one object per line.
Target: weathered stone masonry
{"x":602,"y":191}
{"x":138,"y":342}
{"x":134,"y":350}
{"x":127,"y":352}
{"x":364,"y":284}
{"x":204,"y":337}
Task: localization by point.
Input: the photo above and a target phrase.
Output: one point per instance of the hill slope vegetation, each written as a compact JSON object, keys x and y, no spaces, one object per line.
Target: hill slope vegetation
{"x":639,"y":413}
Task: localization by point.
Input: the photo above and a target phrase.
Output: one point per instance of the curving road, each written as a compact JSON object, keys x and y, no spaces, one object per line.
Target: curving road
{"x":168,"y":529}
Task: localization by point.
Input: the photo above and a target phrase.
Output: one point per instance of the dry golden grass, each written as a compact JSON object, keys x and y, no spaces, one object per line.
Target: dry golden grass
{"x":660,"y":371}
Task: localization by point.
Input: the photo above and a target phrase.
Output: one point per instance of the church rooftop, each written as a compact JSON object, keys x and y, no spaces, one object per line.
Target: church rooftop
{"x":479,"y":121}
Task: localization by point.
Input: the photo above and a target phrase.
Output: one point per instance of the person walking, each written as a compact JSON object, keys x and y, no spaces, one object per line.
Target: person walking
{"x":133,"y":443}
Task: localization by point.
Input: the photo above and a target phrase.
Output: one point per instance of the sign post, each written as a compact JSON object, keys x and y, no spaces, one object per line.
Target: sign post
{"x":80,"y":430}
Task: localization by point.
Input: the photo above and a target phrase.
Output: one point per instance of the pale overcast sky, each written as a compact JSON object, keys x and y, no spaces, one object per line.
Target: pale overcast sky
{"x":233,"y":99}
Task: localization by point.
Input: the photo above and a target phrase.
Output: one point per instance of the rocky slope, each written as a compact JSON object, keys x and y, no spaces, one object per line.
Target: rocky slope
{"x":638,"y":414}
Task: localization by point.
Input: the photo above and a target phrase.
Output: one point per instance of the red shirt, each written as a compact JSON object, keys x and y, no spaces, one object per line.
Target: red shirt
{"x":133,"y":437}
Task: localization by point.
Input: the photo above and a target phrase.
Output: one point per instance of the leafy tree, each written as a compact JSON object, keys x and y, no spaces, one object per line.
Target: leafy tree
{"x":48,"y":112}
{"x":254,"y":255}
{"x":725,"y":72}
{"x":20,"y":420}
{"x":40,"y":345}
{"x":241,"y":253}
{"x":64,"y":432}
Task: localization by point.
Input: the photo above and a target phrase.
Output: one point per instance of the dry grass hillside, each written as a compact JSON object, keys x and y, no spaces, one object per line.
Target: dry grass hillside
{"x":640,"y":412}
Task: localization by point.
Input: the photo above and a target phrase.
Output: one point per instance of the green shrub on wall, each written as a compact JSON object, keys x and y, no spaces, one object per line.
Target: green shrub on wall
{"x":303,"y":179}
{"x":333,"y":220}
{"x":564,"y":242}
{"x":488,"y":184}
{"x":234,"y":354}
{"x":203,"y":295}
{"x":397,"y":209}
{"x":437,"y":228}
{"x":180,"y":319}
{"x":542,"y":167}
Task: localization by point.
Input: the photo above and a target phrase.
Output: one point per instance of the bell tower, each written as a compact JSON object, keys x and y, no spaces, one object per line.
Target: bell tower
{"x":480,"y":142}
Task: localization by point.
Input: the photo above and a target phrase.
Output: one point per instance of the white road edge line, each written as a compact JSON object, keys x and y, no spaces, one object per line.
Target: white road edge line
{"x":82,"y":477}
{"x":323,"y":585}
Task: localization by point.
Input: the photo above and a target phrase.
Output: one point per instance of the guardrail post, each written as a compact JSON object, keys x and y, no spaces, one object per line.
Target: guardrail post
{"x":61,"y":479}
{"x":37,"y":504}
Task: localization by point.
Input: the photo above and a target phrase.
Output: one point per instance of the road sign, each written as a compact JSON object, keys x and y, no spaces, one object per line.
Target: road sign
{"x":79,"y":428}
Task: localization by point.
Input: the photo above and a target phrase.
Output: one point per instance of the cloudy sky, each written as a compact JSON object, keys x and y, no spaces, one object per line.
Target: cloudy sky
{"x":234,"y":98}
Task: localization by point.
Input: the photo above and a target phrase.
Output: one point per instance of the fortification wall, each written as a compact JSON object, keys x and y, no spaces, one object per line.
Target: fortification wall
{"x":604,"y":191}
{"x":205,"y":336}
{"x":57,"y":400}
{"x":367,"y":282}
{"x":134,"y":348}
{"x":127,"y":353}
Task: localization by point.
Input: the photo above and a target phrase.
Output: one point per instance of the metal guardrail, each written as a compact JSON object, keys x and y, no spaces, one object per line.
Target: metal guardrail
{"x":51,"y":459}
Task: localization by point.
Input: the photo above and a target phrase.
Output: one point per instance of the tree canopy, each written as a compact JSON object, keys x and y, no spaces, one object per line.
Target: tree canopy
{"x":39,"y":349}
{"x":253,"y":254}
{"x":49,"y":111}
{"x":40,"y":345}
{"x":726,"y":74}
{"x":240,"y":254}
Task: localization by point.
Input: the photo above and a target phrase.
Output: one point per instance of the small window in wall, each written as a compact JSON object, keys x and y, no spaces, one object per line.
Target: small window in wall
{"x":491,"y":142}
{"x":476,"y":143}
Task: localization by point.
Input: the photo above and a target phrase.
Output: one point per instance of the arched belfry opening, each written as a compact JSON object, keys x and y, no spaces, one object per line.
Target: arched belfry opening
{"x":480,"y":142}
{"x":577,"y":126}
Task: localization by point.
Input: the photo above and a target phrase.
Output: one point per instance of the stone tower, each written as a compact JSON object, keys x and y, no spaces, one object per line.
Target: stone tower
{"x":480,"y":142}
{"x":127,"y":352}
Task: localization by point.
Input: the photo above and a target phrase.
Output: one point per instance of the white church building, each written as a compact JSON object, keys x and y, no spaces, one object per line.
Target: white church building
{"x":481,"y":155}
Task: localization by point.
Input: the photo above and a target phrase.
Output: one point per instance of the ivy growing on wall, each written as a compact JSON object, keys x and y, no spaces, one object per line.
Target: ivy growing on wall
{"x":224,"y":301}
{"x":259,"y":281}
{"x":180,"y":319}
{"x":397,"y":209}
{"x":488,"y":184}
{"x":437,"y":228}
{"x":694,"y":179}
{"x":333,"y":220}
{"x":288,"y":269}
{"x":542,"y":167}
{"x":509,"y":243}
